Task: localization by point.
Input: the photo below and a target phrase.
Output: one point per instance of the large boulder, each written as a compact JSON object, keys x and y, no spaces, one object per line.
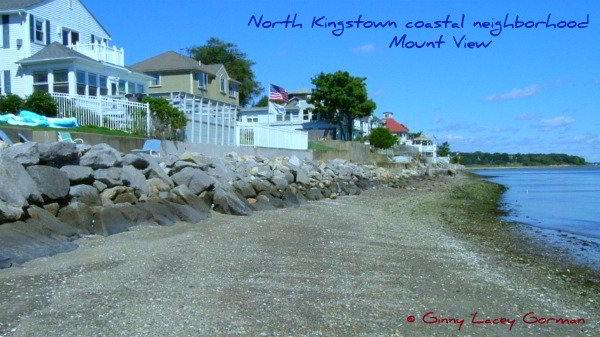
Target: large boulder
{"x":118,"y":195}
{"x":156,"y":187}
{"x":183,"y":196}
{"x":200,"y":160}
{"x":112,"y":176}
{"x":58,"y":154}
{"x":154,"y":170}
{"x":195,"y":179}
{"x":132,"y":177}
{"x":16,"y":186}
{"x":78,"y":174}
{"x":78,"y":215}
{"x":244,"y":187}
{"x":136,"y":161}
{"x":52,"y":183}
{"x":101,"y":156}
{"x":85,"y":194}
{"x":25,"y":154}
{"x":229,"y":203}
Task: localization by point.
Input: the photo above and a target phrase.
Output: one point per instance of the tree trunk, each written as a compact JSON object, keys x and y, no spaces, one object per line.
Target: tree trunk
{"x":350,"y":128}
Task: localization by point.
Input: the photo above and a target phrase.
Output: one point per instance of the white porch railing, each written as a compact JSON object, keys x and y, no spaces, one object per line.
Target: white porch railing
{"x":116,"y":114}
{"x":268,"y":136}
{"x":100,"y":52}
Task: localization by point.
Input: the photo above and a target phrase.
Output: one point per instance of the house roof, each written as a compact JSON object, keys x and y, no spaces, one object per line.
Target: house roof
{"x":54,"y":51}
{"x":18,"y":4}
{"x":173,"y":61}
{"x":15,"y":5}
{"x":394,"y":127}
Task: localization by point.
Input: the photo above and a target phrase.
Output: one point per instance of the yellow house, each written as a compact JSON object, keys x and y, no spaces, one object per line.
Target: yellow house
{"x":173,"y":73}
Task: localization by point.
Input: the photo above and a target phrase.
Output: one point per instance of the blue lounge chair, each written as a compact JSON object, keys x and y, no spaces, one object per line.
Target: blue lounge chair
{"x":23,"y":139}
{"x":4,"y":138}
{"x":151,"y":147}
{"x":66,"y":137}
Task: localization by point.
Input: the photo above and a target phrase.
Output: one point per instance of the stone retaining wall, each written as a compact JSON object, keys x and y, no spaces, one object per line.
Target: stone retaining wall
{"x":54,"y":193}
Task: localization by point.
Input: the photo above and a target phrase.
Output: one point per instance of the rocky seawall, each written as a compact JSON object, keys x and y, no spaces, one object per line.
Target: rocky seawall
{"x":54,"y":193}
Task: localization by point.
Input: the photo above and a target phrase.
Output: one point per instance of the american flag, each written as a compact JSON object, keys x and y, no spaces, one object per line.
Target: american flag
{"x":278,"y":93}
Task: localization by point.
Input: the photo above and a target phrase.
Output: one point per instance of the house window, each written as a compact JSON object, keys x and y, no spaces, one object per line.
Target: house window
{"x":155,"y":81}
{"x":202,"y":80}
{"x":280,"y":118}
{"x":122,"y":86}
{"x":103,"y":85}
{"x":233,"y":90}
{"x":61,"y":81}
{"x":70,"y":37}
{"x":222,"y":84}
{"x":40,"y":81}
{"x":81,"y":84}
{"x":93,"y":84}
{"x":249,"y":120}
{"x":39,"y":31}
{"x":139,"y":89}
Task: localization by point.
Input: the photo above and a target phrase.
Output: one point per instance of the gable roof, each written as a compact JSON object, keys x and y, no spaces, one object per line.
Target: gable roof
{"x":54,"y":51}
{"x":170,"y":61}
{"x":394,"y":127}
{"x":6,"y":5}
{"x":173,"y":61}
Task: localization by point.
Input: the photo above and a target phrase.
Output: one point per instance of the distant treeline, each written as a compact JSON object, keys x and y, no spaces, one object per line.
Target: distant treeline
{"x":519,"y":159}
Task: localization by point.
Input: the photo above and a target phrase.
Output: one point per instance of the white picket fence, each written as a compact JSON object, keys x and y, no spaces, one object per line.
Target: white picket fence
{"x":209,"y":121}
{"x":269,"y":136}
{"x":116,"y":114}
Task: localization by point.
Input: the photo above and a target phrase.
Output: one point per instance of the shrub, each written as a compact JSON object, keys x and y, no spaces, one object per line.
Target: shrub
{"x":382,"y":138}
{"x":170,"y":118}
{"x":41,"y":103}
{"x":10,"y":104}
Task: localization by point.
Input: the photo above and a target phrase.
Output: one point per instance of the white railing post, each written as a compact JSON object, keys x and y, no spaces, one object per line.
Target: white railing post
{"x":148,"y":119}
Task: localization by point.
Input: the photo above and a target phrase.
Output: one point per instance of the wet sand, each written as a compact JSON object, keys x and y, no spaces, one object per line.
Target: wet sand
{"x":356,"y":265}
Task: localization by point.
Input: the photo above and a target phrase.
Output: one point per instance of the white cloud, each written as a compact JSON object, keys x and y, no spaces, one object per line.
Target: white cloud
{"x":527,"y":116}
{"x":516,"y":93}
{"x":557,"y":122}
{"x":365,"y":49}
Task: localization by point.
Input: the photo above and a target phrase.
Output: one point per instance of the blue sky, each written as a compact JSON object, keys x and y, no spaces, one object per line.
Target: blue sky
{"x":530,"y":91}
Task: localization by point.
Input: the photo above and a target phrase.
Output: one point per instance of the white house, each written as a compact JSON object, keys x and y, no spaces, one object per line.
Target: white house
{"x":296,"y":115}
{"x":59,"y":46}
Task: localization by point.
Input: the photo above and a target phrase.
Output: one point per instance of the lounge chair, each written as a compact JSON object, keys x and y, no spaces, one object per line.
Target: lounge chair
{"x":66,"y":137}
{"x":22,"y":138}
{"x":151,"y":147}
{"x":4,"y":138}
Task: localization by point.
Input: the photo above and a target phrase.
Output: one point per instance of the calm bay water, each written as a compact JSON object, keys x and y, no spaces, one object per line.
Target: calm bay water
{"x":559,"y":205}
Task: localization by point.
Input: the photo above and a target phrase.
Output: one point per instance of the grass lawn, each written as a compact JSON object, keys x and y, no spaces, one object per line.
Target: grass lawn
{"x":319,"y":147}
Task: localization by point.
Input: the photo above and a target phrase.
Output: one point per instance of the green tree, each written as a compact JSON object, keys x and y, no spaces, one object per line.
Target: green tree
{"x":10,"y":104}
{"x":263,"y":101}
{"x":235,"y":61}
{"x":41,"y":103}
{"x":168,"y":120}
{"x":382,"y":138}
{"x":444,"y":149}
{"x":340,"y":98}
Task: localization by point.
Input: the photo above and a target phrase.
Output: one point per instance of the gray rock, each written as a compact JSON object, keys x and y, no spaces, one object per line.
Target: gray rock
{"x":313,"y":194}
{"x":58,"y":154}
{"x":26,"y":154}
{"x":200,"y":160}
{"x":118,"y":195}
{"x":78,"y":215}
{"x":154,"y":170}
{"x":244,"y":187}
{"x":82,"y":148}
{"x":101,"y":156}
{"x":9,"y":213}
{"x":195,"y":179}
{"x":52,"y":183}
{"x":262,"y":185}
{"x":280,"y":183}
{"x":78,"y":174}
{"x":52,"y":208}
{"x":184,"y":196}
{"x":181,"y":164}
{"x":302,"y":177}
{"x":229,"y":203}
{"x":136,"y":161}
{"x":16,"y":186}
{"x":100,"y":186}
{"x":294,"y":161}
{"x":155,"y":187}
{"x":110,"y":177}
{"x":85,"y":194}
{"x":136,"y":179}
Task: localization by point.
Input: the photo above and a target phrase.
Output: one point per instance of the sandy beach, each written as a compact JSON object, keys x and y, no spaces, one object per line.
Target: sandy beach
{"x":359,"y":265}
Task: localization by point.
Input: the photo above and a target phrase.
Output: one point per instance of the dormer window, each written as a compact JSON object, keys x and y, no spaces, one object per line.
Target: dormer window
{"x":40,"y":34}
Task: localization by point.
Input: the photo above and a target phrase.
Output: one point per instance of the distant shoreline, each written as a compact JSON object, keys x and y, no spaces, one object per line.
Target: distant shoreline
{"x":501,"y":167}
